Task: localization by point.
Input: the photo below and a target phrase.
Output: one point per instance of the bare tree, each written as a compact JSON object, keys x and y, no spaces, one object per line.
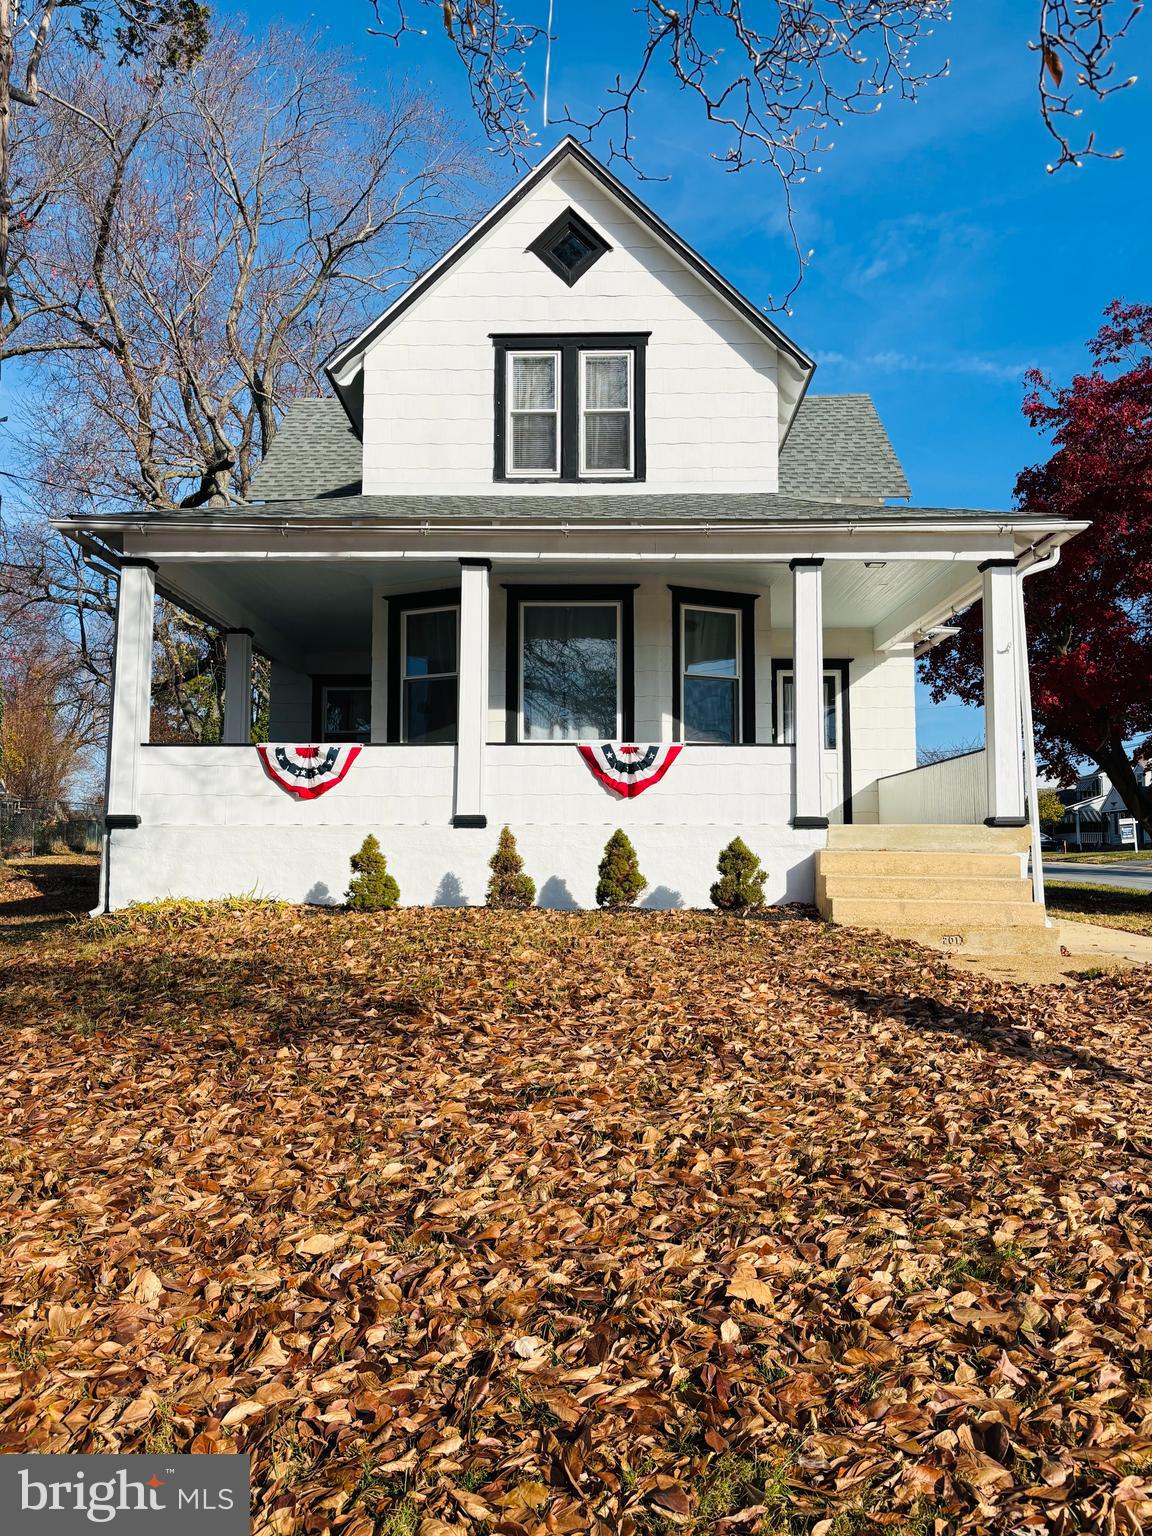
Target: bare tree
{"x":776,"y":80}
{"x":204,"y":242}
{"x":201,"y":242}
{"x":170,"y":32}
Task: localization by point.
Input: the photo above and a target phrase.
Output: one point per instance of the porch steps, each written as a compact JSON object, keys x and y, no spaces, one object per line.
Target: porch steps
{"x":958,"y":888}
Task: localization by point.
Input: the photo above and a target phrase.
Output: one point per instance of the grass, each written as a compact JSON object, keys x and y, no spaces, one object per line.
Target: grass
{"x":1107,"y":856}
{"x":1109,"y":905}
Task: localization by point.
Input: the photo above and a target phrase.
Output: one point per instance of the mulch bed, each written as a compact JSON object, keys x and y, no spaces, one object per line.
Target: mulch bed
{"x":462,"y":1221}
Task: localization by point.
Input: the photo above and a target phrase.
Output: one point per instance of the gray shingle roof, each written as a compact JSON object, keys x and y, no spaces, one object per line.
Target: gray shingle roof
{"x":837,"y":449}
{"x":315,"y":453}
{"x":497,"y":511}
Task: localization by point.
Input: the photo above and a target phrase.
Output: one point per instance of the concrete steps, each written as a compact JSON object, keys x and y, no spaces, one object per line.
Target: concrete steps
{"x":930,"y":837}
{"x":959,"y":888}
{"x":899,"y":885}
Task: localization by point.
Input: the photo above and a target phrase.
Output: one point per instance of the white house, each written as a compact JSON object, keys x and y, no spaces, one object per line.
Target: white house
{"x":1096,"y":811}
{"x":572,"y":487}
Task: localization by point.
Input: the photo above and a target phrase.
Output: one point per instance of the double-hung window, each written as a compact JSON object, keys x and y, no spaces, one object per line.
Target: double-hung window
{"x":714,"y":665}
{"x":570,"y":407}
{"x":711,"y":651}
{"x":533,"y":427}
{"x":429,"y":668}
{"x":423,"y":666}
{"x":606,"y":414}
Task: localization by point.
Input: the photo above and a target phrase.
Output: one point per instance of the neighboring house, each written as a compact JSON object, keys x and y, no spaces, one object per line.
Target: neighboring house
{"x":1095,"y":809}
{"x":571,"y":487}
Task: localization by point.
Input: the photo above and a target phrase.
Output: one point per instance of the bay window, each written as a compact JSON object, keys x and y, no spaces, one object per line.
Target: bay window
{"x":423,"y":666}
{"x":711,"y":674}
{"x":570,"y":408}
{"x":429,"y":675}
{"x":570,"y":663}
{"x":713,"y":665}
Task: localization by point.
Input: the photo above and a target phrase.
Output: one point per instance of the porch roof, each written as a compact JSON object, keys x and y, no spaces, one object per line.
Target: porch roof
{"x":632,"y":511}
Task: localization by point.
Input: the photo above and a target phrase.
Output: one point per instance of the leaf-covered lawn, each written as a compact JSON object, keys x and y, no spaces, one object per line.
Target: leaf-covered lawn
{"x":1111,"y":906}
{"x":464,"y":1222}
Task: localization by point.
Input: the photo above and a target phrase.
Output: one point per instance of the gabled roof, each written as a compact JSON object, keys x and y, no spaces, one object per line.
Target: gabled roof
{"x":837,"y":450}
{"x":347,"y":360}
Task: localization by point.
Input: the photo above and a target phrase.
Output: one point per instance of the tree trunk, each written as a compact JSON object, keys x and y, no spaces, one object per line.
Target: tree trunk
{"x":1115,"y":762}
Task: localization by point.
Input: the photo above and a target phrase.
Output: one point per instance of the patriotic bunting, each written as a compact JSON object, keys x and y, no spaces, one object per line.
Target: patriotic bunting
{"x":308,"y":772}
{"x":629,"y":767}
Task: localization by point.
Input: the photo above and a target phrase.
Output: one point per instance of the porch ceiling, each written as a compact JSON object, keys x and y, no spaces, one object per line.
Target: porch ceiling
{"x":299,"y":606}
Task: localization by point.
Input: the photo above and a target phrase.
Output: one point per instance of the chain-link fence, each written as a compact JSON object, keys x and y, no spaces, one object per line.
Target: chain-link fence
{"x":30,"y":827}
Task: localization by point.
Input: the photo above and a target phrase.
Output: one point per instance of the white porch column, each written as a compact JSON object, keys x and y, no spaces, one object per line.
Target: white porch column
{"x":131,"y":687}
{"x":237,"y":687}
{"x":808,"y":692}
{"x":472,"y":708}
{"x":1002,"y":704}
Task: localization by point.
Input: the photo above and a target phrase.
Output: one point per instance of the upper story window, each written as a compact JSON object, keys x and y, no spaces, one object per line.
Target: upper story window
{"x":533,"y":440}
{"x":606,"y":413}
{"x":570,"y":407}
{"x":569,"y":246}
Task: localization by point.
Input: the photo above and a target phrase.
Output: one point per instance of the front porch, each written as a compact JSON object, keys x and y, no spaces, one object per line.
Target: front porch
{"x":787,"y":674}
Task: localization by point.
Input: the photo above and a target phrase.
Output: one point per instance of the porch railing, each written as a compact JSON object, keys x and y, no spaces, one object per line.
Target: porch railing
{"x":546,"y":784}
{"x":951,"y":793}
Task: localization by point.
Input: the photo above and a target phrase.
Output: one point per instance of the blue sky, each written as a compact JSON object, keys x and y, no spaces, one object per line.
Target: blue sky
{"x":946,"y":259}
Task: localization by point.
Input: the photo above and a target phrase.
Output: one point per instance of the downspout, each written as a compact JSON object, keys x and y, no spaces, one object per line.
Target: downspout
{"x":1042,"y":563}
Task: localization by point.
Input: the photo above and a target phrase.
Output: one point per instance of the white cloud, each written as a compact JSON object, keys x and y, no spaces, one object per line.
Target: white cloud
{"x":893,"y":361}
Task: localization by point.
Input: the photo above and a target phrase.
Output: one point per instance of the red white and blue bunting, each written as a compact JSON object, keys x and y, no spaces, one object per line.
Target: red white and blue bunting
{"x":630,"y":767}
{"x":308,"y":772}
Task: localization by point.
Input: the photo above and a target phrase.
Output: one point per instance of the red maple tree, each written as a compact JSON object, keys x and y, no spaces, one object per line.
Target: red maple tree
{"x":1089,"y":620}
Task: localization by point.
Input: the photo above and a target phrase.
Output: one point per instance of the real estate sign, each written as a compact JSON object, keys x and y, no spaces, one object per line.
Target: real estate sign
{"x":1127,"y":827}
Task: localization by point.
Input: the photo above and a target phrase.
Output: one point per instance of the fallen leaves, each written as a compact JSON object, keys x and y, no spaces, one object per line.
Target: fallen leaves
{"x":548,"y":1223}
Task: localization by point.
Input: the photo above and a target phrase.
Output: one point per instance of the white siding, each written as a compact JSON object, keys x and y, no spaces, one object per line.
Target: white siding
{"x":289,"y":705}
{"x":428,"y":380}
{"x":213,"y":824}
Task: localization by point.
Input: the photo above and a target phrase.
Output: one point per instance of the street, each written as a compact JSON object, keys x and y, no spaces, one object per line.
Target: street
{"x":1134,"y":876}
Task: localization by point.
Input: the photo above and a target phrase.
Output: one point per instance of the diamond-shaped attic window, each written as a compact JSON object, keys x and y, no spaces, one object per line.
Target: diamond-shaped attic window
{"x":569,"y":246}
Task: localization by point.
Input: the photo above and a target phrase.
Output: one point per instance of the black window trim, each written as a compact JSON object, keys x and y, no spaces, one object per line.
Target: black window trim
{"x":399,"y":604}
{"x":322,"y":680}
{"x":839,"y":664}
{"x":743,"y":603}
{"x":543,"y":243}
{"x":569,"y":345}
{"x":623,"y":593}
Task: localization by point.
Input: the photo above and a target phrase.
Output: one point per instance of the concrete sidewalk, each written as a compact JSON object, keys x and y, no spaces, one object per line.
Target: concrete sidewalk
{"x":1084,"y":947}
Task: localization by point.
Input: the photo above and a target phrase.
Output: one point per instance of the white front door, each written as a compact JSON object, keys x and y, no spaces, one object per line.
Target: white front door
{"x":832,"y":757}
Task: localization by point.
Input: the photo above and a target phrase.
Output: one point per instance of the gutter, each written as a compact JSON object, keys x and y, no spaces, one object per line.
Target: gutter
{"x":749,"y":527}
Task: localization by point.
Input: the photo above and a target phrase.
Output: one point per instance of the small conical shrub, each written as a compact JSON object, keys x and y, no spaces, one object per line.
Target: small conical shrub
{"x":372,"y":888}
{"x":509,"y":889}
{"x":741,"y":882}
{"x":620,"y":878}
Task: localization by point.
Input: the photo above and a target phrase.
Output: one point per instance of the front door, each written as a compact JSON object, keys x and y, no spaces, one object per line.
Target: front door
{"x":836,"y":790}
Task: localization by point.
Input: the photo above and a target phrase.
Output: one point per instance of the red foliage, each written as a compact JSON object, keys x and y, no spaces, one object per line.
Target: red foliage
{"x":1089,"y":620}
